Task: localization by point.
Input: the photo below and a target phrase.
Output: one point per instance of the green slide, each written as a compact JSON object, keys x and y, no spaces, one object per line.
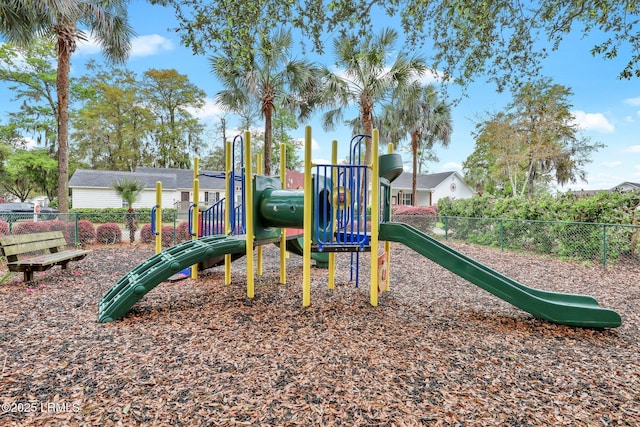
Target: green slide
{"x":147,"y":275}
{"x":567,"y":309}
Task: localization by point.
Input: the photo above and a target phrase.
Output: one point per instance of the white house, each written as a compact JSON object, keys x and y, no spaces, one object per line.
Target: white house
{"x":430,"y":188}
{"x":94,"y":188}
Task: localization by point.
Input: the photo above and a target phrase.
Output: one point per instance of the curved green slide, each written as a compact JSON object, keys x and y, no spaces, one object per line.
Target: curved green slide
{"x":147,"y":275}
{"x":566,"y":309}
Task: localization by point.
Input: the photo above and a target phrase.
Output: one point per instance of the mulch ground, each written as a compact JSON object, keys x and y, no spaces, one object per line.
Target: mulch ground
{"x":436,"y":351}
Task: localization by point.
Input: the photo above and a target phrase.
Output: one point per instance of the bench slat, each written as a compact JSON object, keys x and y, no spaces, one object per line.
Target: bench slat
{"x":24,"y":248}
{"x":51,"y":258}
{"x":28,"y":238}
{"x":54,"y":242}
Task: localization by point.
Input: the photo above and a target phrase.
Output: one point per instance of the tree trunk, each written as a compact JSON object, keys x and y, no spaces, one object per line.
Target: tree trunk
{"x":267,"y":111}
{"x":62,"y":86}
{"x":367,"y":124}
{"x":267,"y":139}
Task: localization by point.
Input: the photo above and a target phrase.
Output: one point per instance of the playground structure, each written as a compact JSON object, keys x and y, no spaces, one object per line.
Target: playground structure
{"x":331,"y":210}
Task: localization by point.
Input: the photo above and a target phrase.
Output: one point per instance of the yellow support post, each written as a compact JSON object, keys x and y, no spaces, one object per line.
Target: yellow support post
{"x":387,"y":244}
{"x":228,"y":190}
{"x":158,"y":218}
{"x":332,"y":255}
{"x":248,"y":199}
{"x":195,"y":217}
{"x":306,"y":246}
{"x":375,"y":219}
{"x":283,"y":232}
{"x":259,"y":248}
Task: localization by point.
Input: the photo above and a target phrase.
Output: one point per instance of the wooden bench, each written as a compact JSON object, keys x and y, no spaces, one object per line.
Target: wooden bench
{"x":48,"y":249}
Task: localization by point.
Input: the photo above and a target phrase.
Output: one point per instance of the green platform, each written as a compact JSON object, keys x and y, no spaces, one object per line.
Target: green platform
{"x":147,"y":275}
{"x":566,"y":309}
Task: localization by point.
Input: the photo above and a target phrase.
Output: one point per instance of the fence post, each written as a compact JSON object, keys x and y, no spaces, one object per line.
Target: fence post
{"x":175,"y":231}
{"x":502,"y":234}
{"x":77,"y":243}
{"x":604,"y":245}
{"x":446,"y":228}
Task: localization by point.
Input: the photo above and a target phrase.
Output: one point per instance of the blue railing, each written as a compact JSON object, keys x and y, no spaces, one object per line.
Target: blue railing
{"x":212,"y":221}
{"x":350,"y":200}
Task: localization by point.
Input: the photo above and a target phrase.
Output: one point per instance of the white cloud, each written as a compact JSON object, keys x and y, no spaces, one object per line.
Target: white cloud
{"x":432,"y":76}
{"x":613,"y":164}
{"x":147,"y":45}
{"x":28,"y":143}
{"x":630,"y":119}
{"x":211,"y":110}
{"x":600,"y":181}
{"x":151,"y":44}
{"x":633,"y":149}
{"x":451,"y":166}
{"x":88,"y":47}
{"x":633,"y":101}
{"x":592,"y":121}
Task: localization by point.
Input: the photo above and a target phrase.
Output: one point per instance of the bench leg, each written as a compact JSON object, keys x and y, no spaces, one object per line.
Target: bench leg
{"x":28,"y":276}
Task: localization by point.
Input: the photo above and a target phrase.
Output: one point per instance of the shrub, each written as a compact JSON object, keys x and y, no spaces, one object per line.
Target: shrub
{"x":182,"y":232}
{"x":146,"y":236}
{"x":86,"y":231}
{"x":30,"y":227}
{"x":109,"y":233}
{"x":415,"y":210}
{"x":168,"y":234}
{"x":421,"y":217}
{"x":4,"y":228}
{"x":57,"y":225}
{"x":104,"y":215}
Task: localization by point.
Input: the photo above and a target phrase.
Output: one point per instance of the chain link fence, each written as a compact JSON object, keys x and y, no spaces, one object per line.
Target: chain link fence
{"x":85,"y":228}
{"x":603,"y":243}
{"x":592,"y":242}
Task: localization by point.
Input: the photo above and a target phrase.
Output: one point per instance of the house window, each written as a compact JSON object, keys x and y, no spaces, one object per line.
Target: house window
{"x":125,"y":204}
{"x":184,"y":196}
{"x":406,"y":199}
{"x":206,"y":197}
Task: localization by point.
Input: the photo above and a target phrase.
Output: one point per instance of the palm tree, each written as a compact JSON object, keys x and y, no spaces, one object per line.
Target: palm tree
{"x":21,"y":21}
{"x":365,"y":78}
{"x":417,"y":111}
{"x":272,"y":79}
{"x":129,"y":189}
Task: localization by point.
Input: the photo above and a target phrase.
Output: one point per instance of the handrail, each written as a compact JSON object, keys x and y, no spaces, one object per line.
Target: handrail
{"x":153,"y":220}
{"x":190,"y":221}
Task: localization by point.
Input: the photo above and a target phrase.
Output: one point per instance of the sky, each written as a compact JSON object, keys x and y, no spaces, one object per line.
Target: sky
{"x":606,"y":109}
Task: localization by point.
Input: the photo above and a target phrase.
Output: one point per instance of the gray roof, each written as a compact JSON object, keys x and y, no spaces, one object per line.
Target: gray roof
{"x":628,"y":185}
{"x":423,"y":181}
{"x":172,"y":179}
